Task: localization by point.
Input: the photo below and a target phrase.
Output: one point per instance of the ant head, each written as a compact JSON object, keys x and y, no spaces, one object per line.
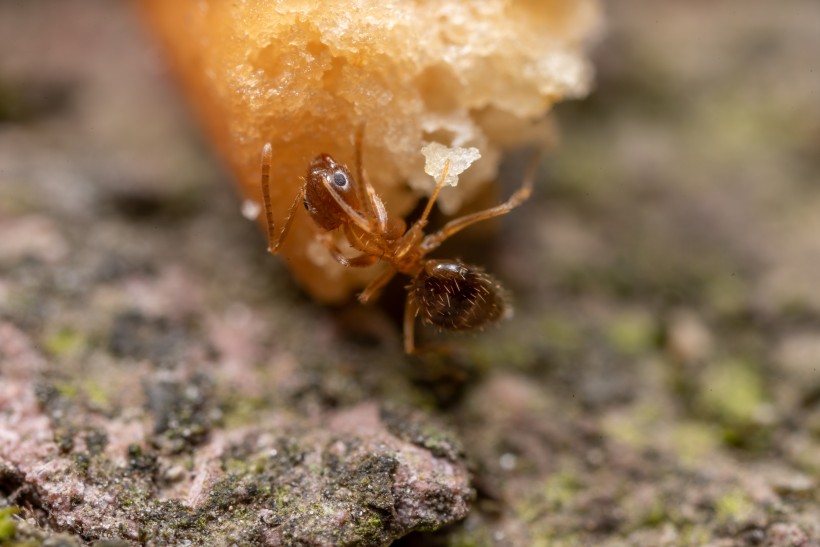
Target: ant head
{"x":457,"y":296}
{"x":325,"y":175}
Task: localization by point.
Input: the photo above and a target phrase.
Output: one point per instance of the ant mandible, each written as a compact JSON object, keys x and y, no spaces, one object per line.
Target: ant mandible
{"x":449,"y":294}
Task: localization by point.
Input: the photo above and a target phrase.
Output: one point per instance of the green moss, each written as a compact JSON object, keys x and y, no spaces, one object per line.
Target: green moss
{"x":546,"y":539}
{"x":83,"y":462}
{"x":240,"y":466}
{"x":728,"y":294}
{"x":281,"y":497}
{"x":8,"y":526}
{"x":474,"y":537}
{"x":581,"y":180}
{"x":241,"y":411}
{"x":656,"y":515}
{"x":694,"y":534}
{"x":64,"y":438}
{"x":808,"y":459}
{"x":631,"y":333}
{"x":96,"y":394}
{"x":633,"y":426}
{"x":557,"y":492}
{"x":561,"y":488}
{"x":733,"y":506}
{"x":69,"y":391}
{"x":694,"y":440}
{"x":182,"y":412}
{"x":141,"y":462}
{"x":463,"y":541}
{"x":64,"y":342}
{"x":488,"y":352}
{"x":370,"y":525}
{"x":408,"y":424}
{"x":561,"y":334}
{"x":733,"y":390}
{"x":96,"y":440}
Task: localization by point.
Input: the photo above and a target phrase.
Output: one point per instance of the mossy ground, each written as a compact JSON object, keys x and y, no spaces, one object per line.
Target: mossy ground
{"x":658,"y":385}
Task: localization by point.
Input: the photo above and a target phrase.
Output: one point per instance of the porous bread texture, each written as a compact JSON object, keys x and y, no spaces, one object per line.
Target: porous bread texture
{"x":304,"y":74}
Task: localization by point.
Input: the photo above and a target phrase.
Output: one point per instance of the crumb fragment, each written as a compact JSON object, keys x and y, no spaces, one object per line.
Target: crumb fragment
{"x":437,"y":155}
{"x":251,"y":209}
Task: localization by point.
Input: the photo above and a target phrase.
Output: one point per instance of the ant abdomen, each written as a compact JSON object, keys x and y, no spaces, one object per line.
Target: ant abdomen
{"x":321,"y":206}
{"x":456,"y":296}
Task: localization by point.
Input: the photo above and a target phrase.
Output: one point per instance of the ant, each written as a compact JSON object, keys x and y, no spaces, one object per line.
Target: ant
{"x":446,"y":293}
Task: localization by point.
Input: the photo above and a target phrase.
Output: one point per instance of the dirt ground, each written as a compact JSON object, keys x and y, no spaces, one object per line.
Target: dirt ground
{"x":164,"y":381}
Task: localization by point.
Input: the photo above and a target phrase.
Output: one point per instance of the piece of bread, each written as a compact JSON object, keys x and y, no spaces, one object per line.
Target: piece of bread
{"x":303,"y":74}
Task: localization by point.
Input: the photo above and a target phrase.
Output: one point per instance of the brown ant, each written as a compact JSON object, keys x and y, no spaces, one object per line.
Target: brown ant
{"x":446,"y":293}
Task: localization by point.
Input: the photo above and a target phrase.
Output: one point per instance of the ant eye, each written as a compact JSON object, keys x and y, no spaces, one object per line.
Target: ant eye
{"x":339,"y":179}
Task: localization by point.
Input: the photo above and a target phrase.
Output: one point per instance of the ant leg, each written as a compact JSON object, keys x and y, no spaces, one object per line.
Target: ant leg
{"x":376,"y":285}
{"x":412,"y":236}
{"x":267,"y":152}
{"x":355,"y":217}
{"x":374,"y":203}
{"x":358,"y":140}
{"x":521,"y":195}
{"x":273,"y":245}
{"x":361,"y":261}
{"x":410,"y":311}
{"x":439,"y":185}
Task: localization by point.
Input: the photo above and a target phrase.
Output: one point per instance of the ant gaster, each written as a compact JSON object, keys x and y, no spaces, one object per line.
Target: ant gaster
{"x":446,"y":293}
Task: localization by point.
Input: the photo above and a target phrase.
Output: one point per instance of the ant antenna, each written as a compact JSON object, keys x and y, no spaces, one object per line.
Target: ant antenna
{"x":273,"y":246}
{"x":434,"y":196}
{"x":372,"y":203}
{"x":359,"y":140}
{"x":267,"y":153}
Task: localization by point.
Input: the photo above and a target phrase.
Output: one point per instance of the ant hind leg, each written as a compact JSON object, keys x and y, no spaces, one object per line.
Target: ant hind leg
{"x":410,"y":310}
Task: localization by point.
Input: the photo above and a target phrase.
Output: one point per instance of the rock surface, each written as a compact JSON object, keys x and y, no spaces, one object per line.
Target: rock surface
{"x":291,"y":481}
{"x":163,"y":381}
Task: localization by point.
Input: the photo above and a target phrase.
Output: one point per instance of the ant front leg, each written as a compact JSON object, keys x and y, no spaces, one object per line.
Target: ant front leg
{"x":274,"y":244}
{"x":361,"y":261}
{"x":521,"y":195}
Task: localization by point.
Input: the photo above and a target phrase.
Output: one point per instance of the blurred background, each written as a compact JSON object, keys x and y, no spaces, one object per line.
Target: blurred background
{"x":660,"y":381}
